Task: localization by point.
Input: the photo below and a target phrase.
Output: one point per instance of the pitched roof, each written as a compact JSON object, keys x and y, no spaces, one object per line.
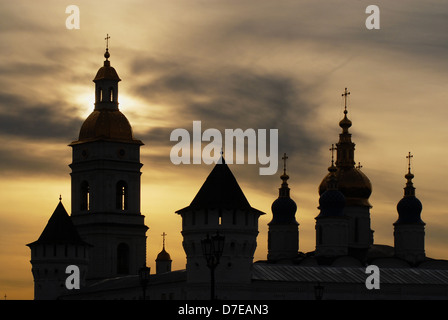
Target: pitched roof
{"x":295,"y":273}
{"x":59,"y":229}
{"x":220,"y":190}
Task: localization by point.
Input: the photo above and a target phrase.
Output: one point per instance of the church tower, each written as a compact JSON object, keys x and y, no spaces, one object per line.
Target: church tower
{"x":356,"y":188}
{"x":58,"y":247}
{"x":283,"y":234}
{"x":332,"y":223}
{"x":409,"y":229}
{"x":105,"y":181}
{"x":221,"y":207}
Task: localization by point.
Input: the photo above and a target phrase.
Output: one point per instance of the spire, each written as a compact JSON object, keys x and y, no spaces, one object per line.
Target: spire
{"x":107,"y":55}
{"x":107,"y":72}
{"x":163,"y":236}
{"x":409,"y":190}
{"x":345,"y":146}
{"x":284,"y":189}
{"x":332,"y":180}
{"x":409,"y":207}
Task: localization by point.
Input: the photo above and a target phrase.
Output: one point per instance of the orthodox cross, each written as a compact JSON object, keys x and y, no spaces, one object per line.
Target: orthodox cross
{"x":284,"y":162}
{"x":409,"y":156}
{"x":107,"y":41}
{"x":359,"y":166}
{"x":332,"y":153}
{"x":345,"y":94}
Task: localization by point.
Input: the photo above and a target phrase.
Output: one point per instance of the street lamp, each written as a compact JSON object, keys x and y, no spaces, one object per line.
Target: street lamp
{"x":318,"y":291}
{"x":212,"y":249}
{"x":143,"y":275}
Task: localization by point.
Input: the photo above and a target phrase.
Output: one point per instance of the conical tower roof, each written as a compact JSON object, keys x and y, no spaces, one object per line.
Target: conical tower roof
{"x":220,"y":191}
{"x":59,"y":229}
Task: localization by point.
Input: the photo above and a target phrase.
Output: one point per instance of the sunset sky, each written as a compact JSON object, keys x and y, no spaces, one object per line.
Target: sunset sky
{"x":230,"y":64}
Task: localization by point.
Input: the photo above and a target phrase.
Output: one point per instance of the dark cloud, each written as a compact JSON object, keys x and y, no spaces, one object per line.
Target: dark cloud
{"x":22,"y":159}
{"x":35,"y":121}
{"x":231,"y":97}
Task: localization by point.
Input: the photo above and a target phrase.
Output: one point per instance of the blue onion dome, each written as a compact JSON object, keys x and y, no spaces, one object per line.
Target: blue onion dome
{"x":409,"y":208}
{"x":284,"y":208}
{"x":331,"y":201}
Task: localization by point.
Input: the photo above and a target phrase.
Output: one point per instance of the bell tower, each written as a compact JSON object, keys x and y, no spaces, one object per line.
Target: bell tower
{"x":105,"y":181}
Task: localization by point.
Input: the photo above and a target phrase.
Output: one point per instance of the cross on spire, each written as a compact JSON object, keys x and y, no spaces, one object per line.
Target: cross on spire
{"x":332,"y":149}
{"x":60,"y":197}
{"x":163,"y":236}
{"x":359,"y":166}
{"x":107,"y":41}
{"x":284,"y":162}
{"x":409,"y":156}
{"x":345,"y":94}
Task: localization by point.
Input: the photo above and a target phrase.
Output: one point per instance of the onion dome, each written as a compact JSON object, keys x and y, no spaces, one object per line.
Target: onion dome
{"x":284,"y":208}
{"x":331,"y":201}
{"x":163,"y":255}
{"x":352,"y":182}
{"x":409,"y":208}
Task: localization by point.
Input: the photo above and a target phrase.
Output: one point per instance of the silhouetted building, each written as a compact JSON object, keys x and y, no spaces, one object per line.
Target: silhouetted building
{"x":106,"y":236}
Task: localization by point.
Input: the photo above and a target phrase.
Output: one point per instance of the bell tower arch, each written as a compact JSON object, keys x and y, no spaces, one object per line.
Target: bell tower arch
{"x":106,"y":184}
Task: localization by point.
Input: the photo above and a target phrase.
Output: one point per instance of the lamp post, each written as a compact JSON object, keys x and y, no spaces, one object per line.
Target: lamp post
{"x":212,"y":249}
{"x":143,"y":275}
{"x":318,"y":291}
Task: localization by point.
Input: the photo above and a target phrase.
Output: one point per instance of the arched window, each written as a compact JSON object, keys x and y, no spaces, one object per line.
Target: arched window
{"x":85,"y":196}
{"x":122,"y":195}
{"x":123,"y":258}
{"x":111,"y":94}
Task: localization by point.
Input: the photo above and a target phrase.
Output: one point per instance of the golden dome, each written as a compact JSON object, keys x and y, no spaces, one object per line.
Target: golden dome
{"x":353,"y":183}
{"x":106,"y":125}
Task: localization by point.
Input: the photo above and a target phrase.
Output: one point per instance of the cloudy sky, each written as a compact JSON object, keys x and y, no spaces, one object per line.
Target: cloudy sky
{"x":258,"y":64}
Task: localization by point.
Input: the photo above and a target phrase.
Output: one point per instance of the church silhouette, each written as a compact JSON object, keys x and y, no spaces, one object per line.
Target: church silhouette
{"x":105,"y":234}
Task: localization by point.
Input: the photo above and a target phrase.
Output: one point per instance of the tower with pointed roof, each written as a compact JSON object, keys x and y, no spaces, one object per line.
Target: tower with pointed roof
{"x":105,"y":181}
{"x":220,"y":206}
{"x":409,"y":229}
{"x":283,"y":233}
{"x":356,"y":188}
{"x":58,"y":246}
